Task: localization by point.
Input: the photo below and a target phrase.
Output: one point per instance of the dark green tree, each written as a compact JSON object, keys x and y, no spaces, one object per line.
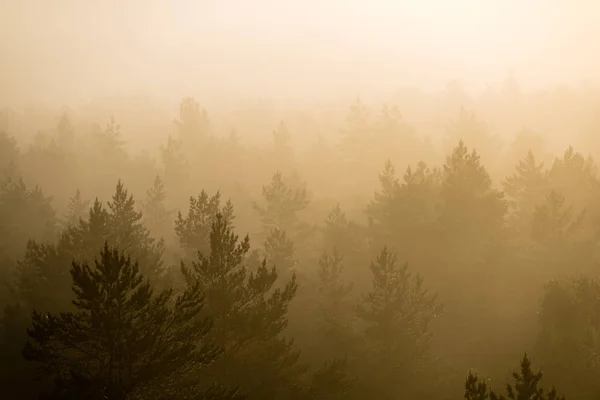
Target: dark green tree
{"x":123,"y":340}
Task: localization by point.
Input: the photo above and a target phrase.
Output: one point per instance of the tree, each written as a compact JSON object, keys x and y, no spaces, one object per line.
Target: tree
{"x":334,"y":301}
{"x":123,"y":339}
{"x":284,"y":154}
{"x":16,"y":374}
{"x":526,"y":386}
{"x":282,"y":204}
{"x":175,"y":163}
{"x":396,"y":313}
{"x":249,"y":314}
{"x":43,"y":272}
{"x":26,"y":213}
{"x":193,"y":120}
{"x":471,"y":206}
{"x":470,"y":129}
{"x":193,"y":230}
{"x":402,"y":215}
{"x":526,"y":188}
{"x":279,"y":250}
{"x":561,"y":237}
{"x":9,"y":151}
{"x":157,"y":218}
{"x":76,"y":209}
{"x":569,"y":337}
{"x":126,"y":228}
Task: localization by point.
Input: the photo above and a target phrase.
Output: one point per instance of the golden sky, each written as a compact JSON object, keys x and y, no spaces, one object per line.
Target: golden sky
{"x":71,"y":49}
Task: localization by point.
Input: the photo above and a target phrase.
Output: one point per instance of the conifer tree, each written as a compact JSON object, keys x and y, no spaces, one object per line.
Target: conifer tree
{"x":76,"y":209}
{"x":157,"y":218}
{"x":568,"y":342}
{"x":193,"y":120}
{"x":193,"y":230}
{"x":525,"y":189}
{"x":43,"y":272}
{"x":471,"y":205}
{"x":336,"y":311}
{"x":126,"y":229}
{"x":561,"y":237}
{"x":249,"y":314}
{"x":176,"y":165}
{"x":526,"y":386}
{"x":123,"y":339}
{"x":397,"y":313}
{"x":403,"y":214}
{"x":9,"y":151}
{"x":282,"y":204}
{"x":279,"y":250}
{"x":26,"y":213}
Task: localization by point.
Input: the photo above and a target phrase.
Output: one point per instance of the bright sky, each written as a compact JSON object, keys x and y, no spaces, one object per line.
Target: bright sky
{"x":74,"y":48}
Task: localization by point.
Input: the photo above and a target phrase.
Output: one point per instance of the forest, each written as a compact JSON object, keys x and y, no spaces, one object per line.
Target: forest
{"x":374,"y":263}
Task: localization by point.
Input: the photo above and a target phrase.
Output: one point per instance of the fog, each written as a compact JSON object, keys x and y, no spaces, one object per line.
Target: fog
{"x":219,"y":200}
{"x":288,"y":49}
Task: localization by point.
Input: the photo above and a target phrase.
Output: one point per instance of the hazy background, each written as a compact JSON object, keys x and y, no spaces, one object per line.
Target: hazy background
{"x":65,"y":51}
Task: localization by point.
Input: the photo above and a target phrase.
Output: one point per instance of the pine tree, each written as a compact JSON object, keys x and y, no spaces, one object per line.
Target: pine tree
{"x":193,"y":230}
{"x":560,"y":237}
{"x":9,"y":151}
{"x":26,"y":213}
{"x":397,"y":313}
{"x":126,"y":229}
{"x":157,"y":218}
{"x":470,"y":202}
{"x":123,"y":339}
{"x":76,"y":209}
{"x":568,"y":342}
{"x":250,"y":315}
{"x":336,"y":311}
{"x":282,"y":205}
{"x":403,"y":214}
{"x":468,"y":127}
{"x":380,"y":209}
{"x":279,"y":250}
{"x":525,"y":189}
{"x":526,"y":386}
{"x":193,"y":120}
{"x":43,"y":271}
{"x":576,"y":176}
{"x":175,"y":163}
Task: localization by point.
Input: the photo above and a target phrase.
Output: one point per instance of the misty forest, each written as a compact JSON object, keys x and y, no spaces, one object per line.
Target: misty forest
{"x":287,"y":239}
{"x":371,"y":264}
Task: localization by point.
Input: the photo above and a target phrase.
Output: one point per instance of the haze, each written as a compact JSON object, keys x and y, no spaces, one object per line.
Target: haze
{"x":69,"y":50}
{"x":262,"y":200}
